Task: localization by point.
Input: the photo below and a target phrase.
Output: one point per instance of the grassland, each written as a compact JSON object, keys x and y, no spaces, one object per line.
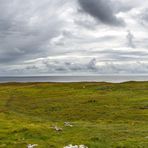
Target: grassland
{"x":103,"y":115}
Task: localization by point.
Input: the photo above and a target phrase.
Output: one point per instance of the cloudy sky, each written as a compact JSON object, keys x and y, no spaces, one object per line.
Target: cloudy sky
{"x":74,"y":37}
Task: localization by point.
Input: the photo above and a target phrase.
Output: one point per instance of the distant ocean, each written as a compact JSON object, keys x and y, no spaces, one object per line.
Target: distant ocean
{"x":99,"y":78}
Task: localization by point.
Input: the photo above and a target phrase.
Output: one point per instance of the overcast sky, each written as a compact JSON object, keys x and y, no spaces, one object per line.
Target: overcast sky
{"x":75,"y":37}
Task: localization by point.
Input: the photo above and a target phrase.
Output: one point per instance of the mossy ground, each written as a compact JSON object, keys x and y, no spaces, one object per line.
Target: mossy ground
{"x":104,"y":115}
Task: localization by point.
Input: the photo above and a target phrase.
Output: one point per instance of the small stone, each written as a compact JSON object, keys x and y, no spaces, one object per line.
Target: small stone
{"x":82,"y":146}
{"x":57,"y":128}
{"x":71,"y":146}
{"x":76,"y":146}
{"x":68,"y":124}
{"x":31,"y":145}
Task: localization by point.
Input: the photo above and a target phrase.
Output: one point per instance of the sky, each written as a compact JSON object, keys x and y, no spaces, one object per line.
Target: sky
{"x":73,"y":37}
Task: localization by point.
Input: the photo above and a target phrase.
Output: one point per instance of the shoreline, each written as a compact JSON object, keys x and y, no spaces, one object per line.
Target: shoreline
{"x":100,"y":82}
{"x":72,"y":79}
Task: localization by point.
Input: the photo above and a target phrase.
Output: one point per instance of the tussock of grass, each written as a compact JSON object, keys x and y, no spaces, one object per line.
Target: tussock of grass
{"x":103,"y":115}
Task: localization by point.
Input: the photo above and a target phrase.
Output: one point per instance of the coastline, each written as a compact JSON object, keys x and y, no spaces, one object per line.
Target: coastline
{"x":70,"y":79}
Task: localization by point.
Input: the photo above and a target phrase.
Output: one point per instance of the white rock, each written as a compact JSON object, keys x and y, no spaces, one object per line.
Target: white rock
{"x":57,"y":128}
{"x":76,"y":146}
{"x":68,"y":124}
{"x":71,"y":146}
{"x":82,"y":146}
{"x":31,"y":145}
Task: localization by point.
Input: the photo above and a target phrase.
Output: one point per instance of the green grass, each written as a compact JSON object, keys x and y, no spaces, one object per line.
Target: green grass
{"x":104,"y":115}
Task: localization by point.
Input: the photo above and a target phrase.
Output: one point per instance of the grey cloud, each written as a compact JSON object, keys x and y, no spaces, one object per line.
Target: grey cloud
{"x":86,"y":23}
{"x":122,"y":6}
{"x":53,"y":34}
{"x":114,"y":55}
{"x":143,"y":17}
{"x":102,"y":11}
{"x":26,"y":27}
{"x":66,"y":65}
{"x":130,"y":38}
{"x":91,"y":66}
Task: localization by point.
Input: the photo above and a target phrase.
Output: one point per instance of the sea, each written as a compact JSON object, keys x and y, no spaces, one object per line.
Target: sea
{"x":98,"y":78}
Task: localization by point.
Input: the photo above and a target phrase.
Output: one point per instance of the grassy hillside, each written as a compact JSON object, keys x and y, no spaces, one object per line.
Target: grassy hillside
{"x":103,"y":115}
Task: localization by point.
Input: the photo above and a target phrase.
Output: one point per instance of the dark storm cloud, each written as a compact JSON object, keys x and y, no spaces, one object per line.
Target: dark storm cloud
{"x":101,"y":10}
